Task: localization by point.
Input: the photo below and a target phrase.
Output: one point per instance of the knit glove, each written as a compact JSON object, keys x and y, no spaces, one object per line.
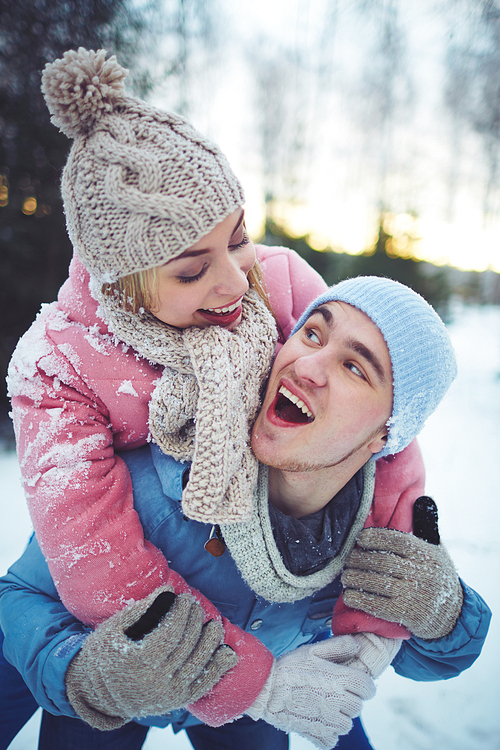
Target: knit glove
{"x":401,"y":578}
{"x":375,"y":653}
{"x":154,"y":656}
{"x":311,"y":691}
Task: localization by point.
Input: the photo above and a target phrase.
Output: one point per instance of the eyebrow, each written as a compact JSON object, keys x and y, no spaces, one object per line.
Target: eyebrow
{"x":202,"y":251}
{"x":354,"y":344}
{"x":240,"y":221}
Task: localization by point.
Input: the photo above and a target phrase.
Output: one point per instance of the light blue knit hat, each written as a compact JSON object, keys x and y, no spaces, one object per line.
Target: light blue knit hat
{"x":422,"y":357}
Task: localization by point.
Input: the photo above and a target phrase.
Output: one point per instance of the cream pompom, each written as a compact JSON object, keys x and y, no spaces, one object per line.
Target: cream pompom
{"x":81,"y":87}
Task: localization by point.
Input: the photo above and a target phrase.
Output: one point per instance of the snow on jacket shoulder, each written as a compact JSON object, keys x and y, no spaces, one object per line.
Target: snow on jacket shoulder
{"x":77,"y":396}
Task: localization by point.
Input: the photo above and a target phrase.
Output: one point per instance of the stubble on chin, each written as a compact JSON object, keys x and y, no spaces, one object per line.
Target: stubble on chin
{"x":296,"y":464}
{"x":280,"y":460}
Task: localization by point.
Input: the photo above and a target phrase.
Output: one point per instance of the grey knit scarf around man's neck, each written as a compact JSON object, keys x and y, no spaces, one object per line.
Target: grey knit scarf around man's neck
{"x":254,"y":550}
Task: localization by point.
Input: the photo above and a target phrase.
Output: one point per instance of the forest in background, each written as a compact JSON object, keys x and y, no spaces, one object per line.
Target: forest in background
{"x":172,"y":48}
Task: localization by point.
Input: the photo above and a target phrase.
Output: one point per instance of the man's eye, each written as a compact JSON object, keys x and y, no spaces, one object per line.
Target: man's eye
{"x":355,"y":369}
{"x":312,"y":335}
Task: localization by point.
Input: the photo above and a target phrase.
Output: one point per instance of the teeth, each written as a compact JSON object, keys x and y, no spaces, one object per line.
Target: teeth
{"x":224,"y":310}
{"x":295,"y":400}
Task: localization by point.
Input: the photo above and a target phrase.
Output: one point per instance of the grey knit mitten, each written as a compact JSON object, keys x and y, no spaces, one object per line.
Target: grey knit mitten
{"x":115,"y":678}
{"x":400,"y":578}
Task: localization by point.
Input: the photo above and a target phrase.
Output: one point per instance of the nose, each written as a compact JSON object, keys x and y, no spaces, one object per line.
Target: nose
{"x":312,"y":369}
{"x":231,"y":277}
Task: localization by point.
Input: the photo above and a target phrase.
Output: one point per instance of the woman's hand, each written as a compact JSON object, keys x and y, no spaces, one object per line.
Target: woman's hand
{"x":147,"y":660}
{"x":402,"y":578}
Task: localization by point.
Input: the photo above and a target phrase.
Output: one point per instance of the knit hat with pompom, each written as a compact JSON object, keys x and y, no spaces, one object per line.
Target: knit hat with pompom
{"x":140,"y":185}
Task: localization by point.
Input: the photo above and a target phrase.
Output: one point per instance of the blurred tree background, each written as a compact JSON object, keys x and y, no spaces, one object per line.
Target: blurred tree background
{"x":319,"y":107}
{"x":34,"y":248}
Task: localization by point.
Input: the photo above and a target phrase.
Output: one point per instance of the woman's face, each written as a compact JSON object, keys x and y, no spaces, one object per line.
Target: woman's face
{"x":205,"y":284}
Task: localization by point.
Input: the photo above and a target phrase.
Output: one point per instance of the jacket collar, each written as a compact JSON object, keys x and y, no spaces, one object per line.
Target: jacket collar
{"x":171,"y":473}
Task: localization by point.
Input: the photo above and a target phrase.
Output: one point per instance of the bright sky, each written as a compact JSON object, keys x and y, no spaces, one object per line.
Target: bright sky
{"x":343,"y":177}
{"x":465,"y":244}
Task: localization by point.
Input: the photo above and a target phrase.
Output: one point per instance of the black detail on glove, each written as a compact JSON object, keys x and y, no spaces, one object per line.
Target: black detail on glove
{"x":425,"y":520}
{"x":151,"y":617}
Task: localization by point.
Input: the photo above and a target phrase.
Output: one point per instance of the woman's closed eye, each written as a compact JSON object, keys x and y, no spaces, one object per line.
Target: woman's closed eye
{"x":237,"y":243}
{"x":194,"y":277}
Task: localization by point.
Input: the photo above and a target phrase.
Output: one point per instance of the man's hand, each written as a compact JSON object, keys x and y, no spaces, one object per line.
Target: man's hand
{"x":147,"y":660}
{"x":375,"y":654}
{"x":311,"y":691}
{"x":401,"y":578}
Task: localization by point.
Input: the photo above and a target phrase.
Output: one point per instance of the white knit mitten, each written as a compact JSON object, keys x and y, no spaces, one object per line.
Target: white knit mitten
{"x":375,"y":654}
{"x":313,"y":692}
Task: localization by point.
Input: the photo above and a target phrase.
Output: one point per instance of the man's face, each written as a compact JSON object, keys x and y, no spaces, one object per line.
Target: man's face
{"x":329,"y":394}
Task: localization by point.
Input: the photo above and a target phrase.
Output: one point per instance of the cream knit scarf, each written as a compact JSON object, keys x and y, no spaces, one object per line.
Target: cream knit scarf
{"x":206,"y":400}
{"x":253,"y":548}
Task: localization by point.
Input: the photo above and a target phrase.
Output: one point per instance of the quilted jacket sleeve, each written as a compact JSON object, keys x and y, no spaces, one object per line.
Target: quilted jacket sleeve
{"x":290,"y":282}
{"x":78,"y":492}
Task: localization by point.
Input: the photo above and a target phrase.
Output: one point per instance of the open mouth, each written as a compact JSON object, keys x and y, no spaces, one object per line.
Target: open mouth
{"x":222,"y":316}
{"x":290,"y":408}
{"x":223,"y":310}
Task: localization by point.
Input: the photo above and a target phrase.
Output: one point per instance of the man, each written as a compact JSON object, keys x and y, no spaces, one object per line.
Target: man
{"x":369,"y":361}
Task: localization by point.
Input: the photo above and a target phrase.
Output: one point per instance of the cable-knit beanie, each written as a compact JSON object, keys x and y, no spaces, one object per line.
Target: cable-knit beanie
{"x":422,"y":357}
{"x":140,"y":185}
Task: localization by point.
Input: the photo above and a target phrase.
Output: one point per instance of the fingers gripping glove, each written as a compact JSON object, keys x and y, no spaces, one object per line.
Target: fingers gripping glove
{"x":117,"y":677}
{"x":401,"y":578}
{"x":313,"y":692}
{"x":375,"y":653}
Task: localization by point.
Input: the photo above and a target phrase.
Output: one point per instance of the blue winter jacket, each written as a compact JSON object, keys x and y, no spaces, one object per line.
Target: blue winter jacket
{"x":41,"y":636}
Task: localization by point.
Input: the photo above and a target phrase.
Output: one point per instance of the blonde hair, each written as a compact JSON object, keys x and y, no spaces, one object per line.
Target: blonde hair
{"x":139,"y":291}
{"x":135,"y":292}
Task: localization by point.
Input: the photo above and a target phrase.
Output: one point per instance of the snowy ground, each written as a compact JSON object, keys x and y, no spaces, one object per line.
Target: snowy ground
{"x":461,"y":446}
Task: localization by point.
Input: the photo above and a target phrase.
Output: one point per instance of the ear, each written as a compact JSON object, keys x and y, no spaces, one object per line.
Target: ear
{"x":378,"y":442}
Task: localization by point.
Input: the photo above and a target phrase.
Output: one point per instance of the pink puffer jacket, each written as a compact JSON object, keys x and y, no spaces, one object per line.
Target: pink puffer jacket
{"x":77,"y":396}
